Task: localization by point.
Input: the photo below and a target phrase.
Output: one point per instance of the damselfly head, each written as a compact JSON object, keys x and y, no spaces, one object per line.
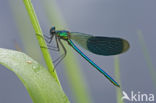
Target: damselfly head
{"x":52,"y":30}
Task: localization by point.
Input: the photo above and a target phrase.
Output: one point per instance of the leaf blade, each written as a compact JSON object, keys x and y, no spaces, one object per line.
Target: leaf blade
{"x":42,"y":87}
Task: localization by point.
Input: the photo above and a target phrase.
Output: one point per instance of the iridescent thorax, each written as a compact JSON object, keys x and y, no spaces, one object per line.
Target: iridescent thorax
{"x":65,"y":35}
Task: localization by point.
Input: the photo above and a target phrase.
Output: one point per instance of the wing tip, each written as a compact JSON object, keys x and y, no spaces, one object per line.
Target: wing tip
{"x":126,"y":45}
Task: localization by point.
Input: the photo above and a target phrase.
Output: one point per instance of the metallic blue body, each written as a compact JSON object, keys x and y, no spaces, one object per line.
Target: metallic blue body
{"x":92,"y":63}
{"x":67,"y":36}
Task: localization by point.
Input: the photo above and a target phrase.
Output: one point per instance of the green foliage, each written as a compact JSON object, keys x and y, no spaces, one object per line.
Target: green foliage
{"x":39,"y":35}
{"x":117,"y":76}
{"x":41,"y":86}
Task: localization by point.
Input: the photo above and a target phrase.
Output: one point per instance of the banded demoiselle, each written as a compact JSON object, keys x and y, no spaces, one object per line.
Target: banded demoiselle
{"x":98,"y":45}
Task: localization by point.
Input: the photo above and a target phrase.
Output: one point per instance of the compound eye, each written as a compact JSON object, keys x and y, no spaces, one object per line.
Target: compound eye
{"x":52,"y":30}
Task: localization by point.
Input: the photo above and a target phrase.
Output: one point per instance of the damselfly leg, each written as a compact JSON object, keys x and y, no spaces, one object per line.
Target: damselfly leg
{"x":59,"y":59}
{"x":57,"y":48}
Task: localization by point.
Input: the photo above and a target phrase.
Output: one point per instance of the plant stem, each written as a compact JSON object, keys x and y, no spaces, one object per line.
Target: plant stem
{"x":147,"y":56}
{"x":117,"y":76}
{"x":41,"y":41}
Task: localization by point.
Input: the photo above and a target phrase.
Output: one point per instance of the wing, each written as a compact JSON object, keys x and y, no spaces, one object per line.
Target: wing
{"x":80,"y":38}
{"x":101,"y":45}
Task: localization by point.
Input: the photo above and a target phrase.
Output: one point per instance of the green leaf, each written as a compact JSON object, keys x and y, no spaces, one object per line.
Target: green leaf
{"x":40,"y":84}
